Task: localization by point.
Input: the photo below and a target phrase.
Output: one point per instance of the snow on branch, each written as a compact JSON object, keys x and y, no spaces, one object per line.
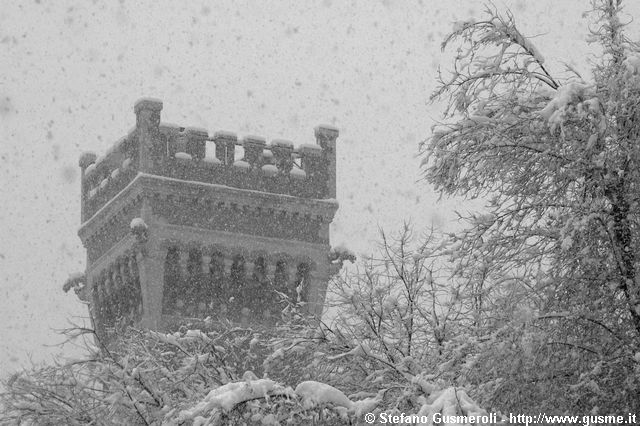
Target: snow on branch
{"x":316,"y":393}
{"x":493,"y":56}
{"x":310,"y":393}
{"x":226,"y":397}
{"x":571,"y":101}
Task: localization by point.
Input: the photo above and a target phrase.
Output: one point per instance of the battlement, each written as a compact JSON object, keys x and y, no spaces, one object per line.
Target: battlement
{"x":190,"y":154}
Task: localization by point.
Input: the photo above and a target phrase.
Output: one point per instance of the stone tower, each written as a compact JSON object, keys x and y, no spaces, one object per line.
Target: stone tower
{"x":176,"y":223}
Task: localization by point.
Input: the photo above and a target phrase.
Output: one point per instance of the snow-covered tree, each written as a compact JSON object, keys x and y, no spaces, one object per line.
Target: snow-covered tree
{"x":557,"y":159}
{"x":397,"y":332}
{"x":210,"y":375}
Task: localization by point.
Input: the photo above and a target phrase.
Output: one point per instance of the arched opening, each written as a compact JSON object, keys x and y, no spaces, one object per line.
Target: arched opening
{"x":237,"y":280}
{"x":134,"y":276}
{"x":259,"y":289}
{"x":96,"y":303}
{"x":216,"y":289}
{"x":127,"y":290}
{"x":260,"y":270}
{"x":281,"y":277}
{"x":106,"y":305}
{"x":301,"y":283}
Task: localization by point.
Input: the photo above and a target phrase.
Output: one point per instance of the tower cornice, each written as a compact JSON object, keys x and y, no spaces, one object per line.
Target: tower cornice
{"x":150,"y":186}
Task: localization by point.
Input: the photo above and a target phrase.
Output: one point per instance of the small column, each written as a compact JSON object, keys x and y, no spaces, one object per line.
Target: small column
{"x":151,"y":270}
{"x":127,"y":288}
{"x":228,"y":263}
{"x":317,"y":289}
{"x":95,"y":304}
{"x":148,"y":129}
{"x":326,"y":137}
{"x":134,"y":276}
{"x":85,"y":161}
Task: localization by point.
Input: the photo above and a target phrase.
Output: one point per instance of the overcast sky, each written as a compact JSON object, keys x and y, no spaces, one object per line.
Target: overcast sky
{"x":71,"y":71}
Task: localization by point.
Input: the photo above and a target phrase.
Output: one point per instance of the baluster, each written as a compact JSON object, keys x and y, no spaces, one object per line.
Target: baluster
{"x":283,"y":151}
{"x":253,"y":148}
{"x":116,"y":294}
